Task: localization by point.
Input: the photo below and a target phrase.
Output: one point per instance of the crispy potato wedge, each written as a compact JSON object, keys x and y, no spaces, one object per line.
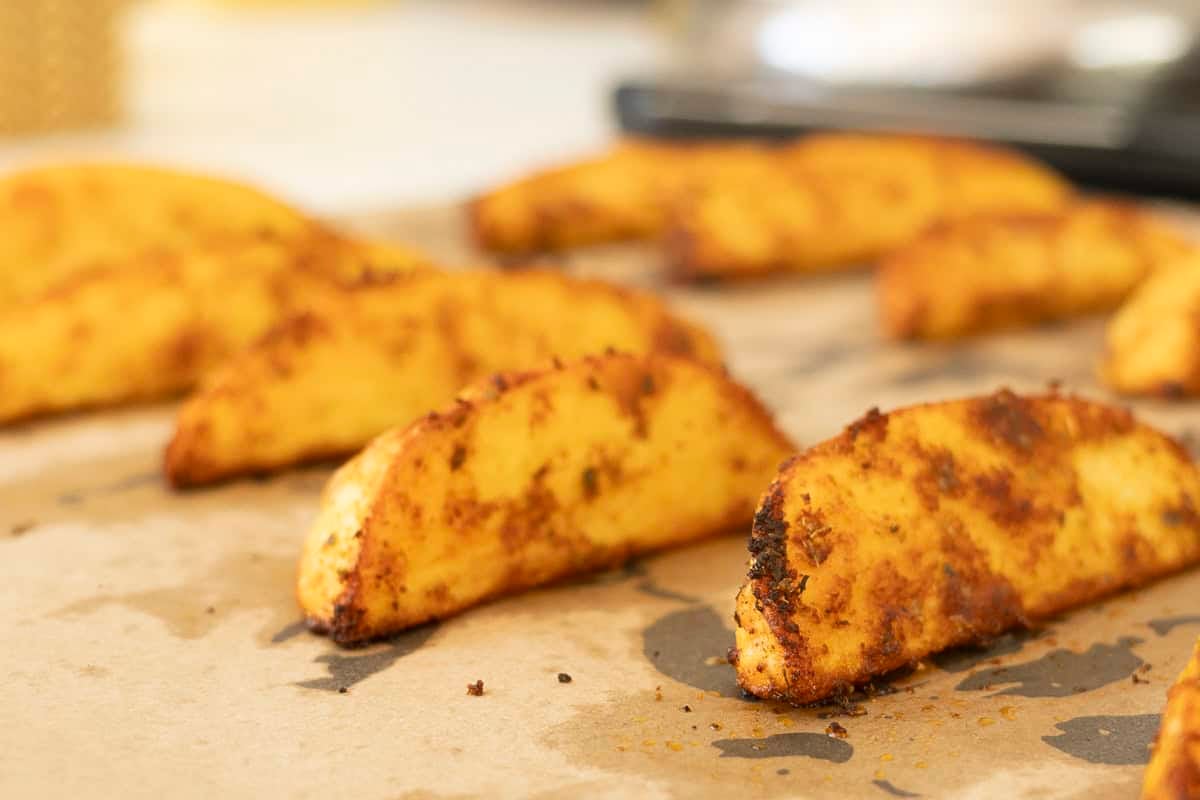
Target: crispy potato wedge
{"x":622,"y":194}
{"x":59,"y":220}
{"x":528,"y":478}
{"x":1174,"y":771}
{"x":324,"y":384}
{"x":1153,"y":342}
{"x":945,"y":524}
{"x":1001,"y":271}
{"x":841,"y":200}
{"x":153,"y":326}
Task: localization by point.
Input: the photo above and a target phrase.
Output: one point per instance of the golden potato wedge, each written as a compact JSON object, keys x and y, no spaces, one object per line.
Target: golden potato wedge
{"x":528,"y":478}
{"x":152,"y":327}
{"x":622,"y":194}
{"x":59,"y":220}
{"x":323,"y":384}
{"x":1002,"y":271}
{"x":944,"y":524}
{"x":1153,"y":342}
{"x":1174,"y":771}
{"x":841,"y":200}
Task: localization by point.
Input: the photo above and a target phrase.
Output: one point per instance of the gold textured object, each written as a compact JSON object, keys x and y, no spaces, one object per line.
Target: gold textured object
{"x":59,"y":64}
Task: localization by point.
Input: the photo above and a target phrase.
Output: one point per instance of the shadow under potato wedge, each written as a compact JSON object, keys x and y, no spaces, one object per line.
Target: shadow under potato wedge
{"x":154,"y":326}
{"x":625,"y":193}
{"x":530,"y":477}
{"x":56,"y":221}
{"x":998,"y":271}
{"x":948,"y":523}
{"x":323,"y":384}
{"x":843,"y":200}
{"x":1152,"y":343}
{"x":1174,"y":770}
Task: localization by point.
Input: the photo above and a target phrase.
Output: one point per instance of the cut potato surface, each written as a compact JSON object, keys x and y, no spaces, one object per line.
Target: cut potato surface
{"x":323,"y":384}
{"x":844,"y":200}
{"x":948,"y":523}
{"x":1174,"y":771}
{"x":1010,"y":270}
{"x":532,"y":477}
{"x":57,"y":221}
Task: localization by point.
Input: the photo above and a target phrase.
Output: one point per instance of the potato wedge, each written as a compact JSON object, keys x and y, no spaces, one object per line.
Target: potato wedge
{"x":1002,"y":271}
{"x":1152,"y":343}
{"x":324,"y":384}
{"x":1174,"y":771}
{"x":842,"y":200}
{"x":622,"y":194}
{"x":528,"y":478}
{"x":59,"y":220}
{"x":944,"y":524}
{"x":153,"y":326}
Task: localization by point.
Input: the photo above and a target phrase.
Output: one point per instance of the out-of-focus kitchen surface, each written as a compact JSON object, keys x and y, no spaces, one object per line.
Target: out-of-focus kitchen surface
{"x":355,"y":106}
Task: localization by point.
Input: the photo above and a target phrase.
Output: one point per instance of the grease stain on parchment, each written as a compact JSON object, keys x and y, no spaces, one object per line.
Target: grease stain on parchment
{"x":892,"y":789}
{"x":1115,"y":740}
{"x":1167,"y":624}
{"x":689,"y":646}
{"x":234,"y":583}
{"x":810,"y":745}
{"x":1060,"y":673}
{"x":347,"y":669}
{"x":961,"y":659}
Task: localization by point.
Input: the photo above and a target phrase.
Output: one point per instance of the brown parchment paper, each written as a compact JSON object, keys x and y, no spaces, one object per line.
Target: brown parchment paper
{"x":150,"y":645}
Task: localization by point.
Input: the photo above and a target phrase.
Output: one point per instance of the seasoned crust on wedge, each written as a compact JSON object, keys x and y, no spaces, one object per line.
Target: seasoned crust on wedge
{"x":325,"y":383}
{"x":152,"y":327}
{"x":530,"y":477}
{"x":842,"y":200}
{"x":947,"y":523}
{"x":1006,"y":270}
{"x":625,"y":193}
{"x":1152,"y":344}
{"x":1174,"y":770}
{"x":56,"y":221}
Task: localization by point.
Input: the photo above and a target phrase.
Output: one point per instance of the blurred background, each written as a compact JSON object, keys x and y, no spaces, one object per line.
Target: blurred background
{"x":360,"y":105}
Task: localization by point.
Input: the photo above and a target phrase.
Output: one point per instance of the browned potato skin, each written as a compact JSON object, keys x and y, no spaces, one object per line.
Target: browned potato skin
{"x":1002,"y":271}
{"x":324,"y":383}
{"x":1174,"y":770}
{"x":1152,"y":343}
{"x":843,"y":200}
{"x":623,"y":194}
{"x":151,"y":328}
{"x":948,"y":523}
{"x":528,"y":478}
{"x":56,"y":221}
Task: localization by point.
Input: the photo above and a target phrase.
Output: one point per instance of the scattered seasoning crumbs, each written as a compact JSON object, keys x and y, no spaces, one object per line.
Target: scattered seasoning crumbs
{"x":22,"y":527}
{"x":564,"y":677}
{"x":343,"y":690}
{"x":475,"y":689}
{"x":687,"y":709}
{"x":716,"y":726}
{"x":658,"y":694}
{"x":836,"y":731}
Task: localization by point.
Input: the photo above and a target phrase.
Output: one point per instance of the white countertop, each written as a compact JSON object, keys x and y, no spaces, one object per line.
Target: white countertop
{"x":356,"y":109}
